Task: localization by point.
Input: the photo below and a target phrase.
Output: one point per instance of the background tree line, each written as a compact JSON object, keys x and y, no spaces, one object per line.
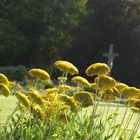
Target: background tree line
{"x":35,"y":33}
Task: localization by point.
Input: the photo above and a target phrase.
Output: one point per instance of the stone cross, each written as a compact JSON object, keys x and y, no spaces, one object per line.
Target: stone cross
{"x":110,"y":55}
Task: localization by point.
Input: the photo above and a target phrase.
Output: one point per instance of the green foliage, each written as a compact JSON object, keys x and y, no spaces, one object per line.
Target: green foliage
{"x":32,"y":31}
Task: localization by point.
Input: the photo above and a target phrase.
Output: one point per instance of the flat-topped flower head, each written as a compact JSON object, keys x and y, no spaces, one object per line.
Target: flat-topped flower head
{"x":66,"y":67}
{"x":93,"y":85}
{"x":81,"y":81}
{"x":131,"y":101}
{"x":120,"y":86}
{"x":105,"y":82}
{"x":130,"y":92}
{"x":51,"y":90}
{"x":97,"y":69}
{"x":4,"y":79}
{"x":62,"y":79}
{"x":35,"y":96}
{"x":23,"y":98}
{"x":137,"y":103}
{"x":38,"y":112}
{"x":15,"y":85}
{"x":116,"y":92}
{"x":39,"y":74}
{"x":84,"y":98}
{"x":68,"y":101}
{"x":64,"y":87}
{"x":135,"y":109}
{"x":4,"y":90}
{"x":108,"y":95}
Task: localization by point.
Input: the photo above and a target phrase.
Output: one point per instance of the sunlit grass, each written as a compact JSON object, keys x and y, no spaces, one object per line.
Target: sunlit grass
{"x":7,"y":105}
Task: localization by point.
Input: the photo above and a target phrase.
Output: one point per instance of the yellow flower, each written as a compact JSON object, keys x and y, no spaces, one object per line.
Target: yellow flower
{"x":39,"y":74}
{"x":116,"y":92}
{"x":137,"y":103}
{"x":105,"y":82}
{"x":68,"y":101}
{"x":4,"y":79}
{"x":131,"y":101}
{"x":81,"y":81}
{"x":135,"y":109}
{"x":35,"y":96}
{"x":38,"y":112}
{"x":97,"y":69}
{"x":51,"y":97}
{"x":94,"y":85}
{"x":130,"y":92}
{"x":23,"y":98}
{"x":108,"y":95}
{"x":120,"y":86}
{"x":66,"y":67}
{"x":85,"y":98}
{"x":4,"y":90}
{"x":65,"y":107}
{"x":51,"y":90}
{"x":63,"y":117}
{"x":14,"y":85}
{"x":62,"y":80}
{"x":64,"y":87}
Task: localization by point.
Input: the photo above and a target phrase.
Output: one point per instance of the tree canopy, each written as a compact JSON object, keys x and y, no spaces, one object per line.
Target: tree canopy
{"x":110,"y":21}
{"x":34,"y":32}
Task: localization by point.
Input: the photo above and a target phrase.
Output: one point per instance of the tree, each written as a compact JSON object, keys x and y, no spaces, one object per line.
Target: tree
{"x":34,"y":32}
{"x":110,"y":21}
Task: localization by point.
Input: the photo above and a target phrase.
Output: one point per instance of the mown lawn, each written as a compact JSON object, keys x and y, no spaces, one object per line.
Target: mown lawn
{"x":7,"y":105}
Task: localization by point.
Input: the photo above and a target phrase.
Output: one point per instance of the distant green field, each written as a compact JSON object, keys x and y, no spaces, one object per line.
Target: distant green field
{"x":8,"y":104}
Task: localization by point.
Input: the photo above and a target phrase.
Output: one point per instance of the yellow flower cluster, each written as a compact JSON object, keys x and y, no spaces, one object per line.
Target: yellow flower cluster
{"x":84,"y":98}
{"x":4,"y":79}
{"x":97,"y":69}
{"x":68,"y":101}
{"x":39,"y":74}
{"x":105,"y":82}
{"x":23,"y":98}
{"x":109,"y":94}
{"x":35,"y":96}
{"x":130,"y":92}
{"x":38,"y":112}
{"x":4,"y":90}
{"x":66,"y":67}
{"x":81,"y":81}
{"x":120,"y":86}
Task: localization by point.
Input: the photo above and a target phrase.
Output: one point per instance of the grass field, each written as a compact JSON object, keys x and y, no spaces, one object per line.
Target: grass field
{"x":7,"y":105}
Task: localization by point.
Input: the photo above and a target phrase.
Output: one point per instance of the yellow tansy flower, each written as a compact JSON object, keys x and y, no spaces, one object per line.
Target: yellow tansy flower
{"x":97,"y":69}
{"x":108,"y":95}
{"x":23,"y":98}
{"x":137,"y":103}
{"x":35,"y":96}
{"x":81,"y":81}
{"x":135,"y":109}
{"x":105,"y":82}
{"x":68,"y":101}
{"x":85,"y":98}
{"x":39,"y":74}
{"x":4,"y":79}
{"x":38,"y":112}
{"x":51,"y":90}
{"x":120,"y":86}
{"x":64,"y":87}
{"x":4,"y":90}
{"x":66,"y":67}
{"x":130,"y":92}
